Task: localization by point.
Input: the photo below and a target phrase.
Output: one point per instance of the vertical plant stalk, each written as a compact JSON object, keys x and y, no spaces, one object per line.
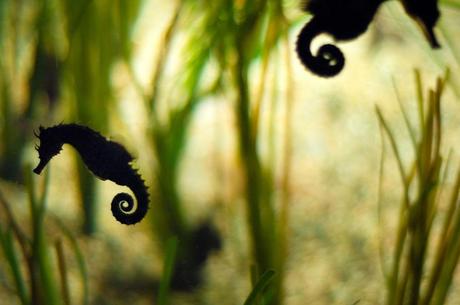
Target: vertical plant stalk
{"x":65,"y":289}
{"x":283,"y":235}
{"x":163,"y":57}
{"x":11,"y":254}
{"x":44,"y":290}
{"x":168,"y":270}
{"x":251,"y":165}
{"x":441,"y":249}
{"x":79,"y":258}
{"x":32,"y":268}
{"x":12,"y":139}
{"x":259,"y":287}
{"x":88,"y":196}
{"x":268,"y":230}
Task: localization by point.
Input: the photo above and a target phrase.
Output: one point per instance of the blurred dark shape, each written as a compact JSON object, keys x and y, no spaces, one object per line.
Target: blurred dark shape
{"x":426,"y":14}
{"x":45,"y":78}
{"x":343,"y":20}
{"x":204,"y":240}
{"x":124,"y":287}
{"x":106,"y":159}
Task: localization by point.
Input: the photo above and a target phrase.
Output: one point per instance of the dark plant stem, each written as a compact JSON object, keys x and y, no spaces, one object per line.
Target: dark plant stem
{"x":88,"y":193}
{"x":261,"y":251}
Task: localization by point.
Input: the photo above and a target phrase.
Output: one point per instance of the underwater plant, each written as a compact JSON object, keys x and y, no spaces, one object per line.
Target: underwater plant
{"x":37,"y":260}
{"x":346,"y":20}
{"x":105,"y":159}
{"x":426,"y":251}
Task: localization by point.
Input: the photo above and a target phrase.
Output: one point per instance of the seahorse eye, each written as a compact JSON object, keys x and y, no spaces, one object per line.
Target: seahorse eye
{"x":48,"y":149}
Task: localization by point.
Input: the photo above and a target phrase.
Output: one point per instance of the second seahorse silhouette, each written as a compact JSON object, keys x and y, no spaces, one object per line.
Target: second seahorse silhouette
{"x":106,"y":159}
{"x":426,"y":14}
{"x":348,"y":19}
{"x":343,"y":20}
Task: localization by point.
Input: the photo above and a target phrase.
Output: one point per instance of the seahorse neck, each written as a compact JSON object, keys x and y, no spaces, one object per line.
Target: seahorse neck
{"x":70,"y":133}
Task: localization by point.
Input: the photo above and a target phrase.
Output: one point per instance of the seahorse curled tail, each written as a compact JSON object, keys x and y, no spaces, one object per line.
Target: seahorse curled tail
{"x":124,"y":208}
{"x":329,"y":60}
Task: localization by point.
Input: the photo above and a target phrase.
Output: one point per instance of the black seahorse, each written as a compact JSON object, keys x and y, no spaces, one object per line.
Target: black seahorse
{"x":343,"y":20}
{"x":105,"y":159}
{"x":347,"y":19}
{"x":426,"y":14}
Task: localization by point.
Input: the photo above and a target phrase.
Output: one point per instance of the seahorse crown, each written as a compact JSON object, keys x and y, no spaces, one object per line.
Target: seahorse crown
{"x":50,"y":146}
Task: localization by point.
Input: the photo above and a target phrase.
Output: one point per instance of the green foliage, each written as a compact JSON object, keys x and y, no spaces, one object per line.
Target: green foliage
{"x":12,"y":256}
{"x":259,"y":287}
{"x":410,"y":278}
{"x":32,"y":268}
{"x":168,"y":269}
{"x":226,"y":49}
{"x":226,"y":36}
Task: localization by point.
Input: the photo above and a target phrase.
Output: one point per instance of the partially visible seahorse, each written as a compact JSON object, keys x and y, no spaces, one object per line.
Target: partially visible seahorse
{"x":105,"y":159}
{"x":347,"y":19}
{"x":426,"y":14}
{"x":343,"y":20}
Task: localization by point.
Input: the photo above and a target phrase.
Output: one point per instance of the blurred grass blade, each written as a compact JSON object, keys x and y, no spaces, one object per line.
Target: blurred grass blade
{"x":80,"y":259}
{"x":394,"y":147}
{"x":65,"y":289}
{"x":163,"y":58}
{"x":411,"y":281}
{"x":455,"y":4}
{"x":385,"y":270}
{"x":419,"y":92}
{"x":168,"y":269}
{"x":43,"y":272}
{"x":405,"y":116}
{"x":259,"y":287}
{"x":444,"y":240}
{"x":12,"y":257}
{"x":254,"y":274}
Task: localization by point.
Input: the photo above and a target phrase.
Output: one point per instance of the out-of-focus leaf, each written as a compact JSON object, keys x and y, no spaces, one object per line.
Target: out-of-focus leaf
{"x":168,"y":269}
{"x":258,"y":288}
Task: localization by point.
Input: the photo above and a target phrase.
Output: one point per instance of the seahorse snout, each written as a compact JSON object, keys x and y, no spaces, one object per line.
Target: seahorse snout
{"x":428,"y":31}
{"x":40,"y":167}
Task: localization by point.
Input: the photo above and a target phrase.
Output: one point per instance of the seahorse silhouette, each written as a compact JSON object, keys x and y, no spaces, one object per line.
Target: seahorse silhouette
{"x":105,"y":159}
{"x":343,"y":20}
{"x":426,"y":14}
{"x":346,"y":20}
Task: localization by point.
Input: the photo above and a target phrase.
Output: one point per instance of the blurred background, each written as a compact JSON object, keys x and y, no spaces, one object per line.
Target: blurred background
{"x":253,"y":163}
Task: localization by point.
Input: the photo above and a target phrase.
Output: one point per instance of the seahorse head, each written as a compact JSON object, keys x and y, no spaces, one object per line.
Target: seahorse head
{"x":50,"y":145}
{"x":426,"y":14}
{"x":427,"y":22}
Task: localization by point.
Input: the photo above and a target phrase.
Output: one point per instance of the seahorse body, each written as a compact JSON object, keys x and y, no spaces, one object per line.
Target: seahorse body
{"x":106,"y":159}
{"x":343,"y":20}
